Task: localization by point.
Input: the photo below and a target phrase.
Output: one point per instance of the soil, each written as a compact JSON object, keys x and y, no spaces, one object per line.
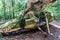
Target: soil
{"x":35,"y":35}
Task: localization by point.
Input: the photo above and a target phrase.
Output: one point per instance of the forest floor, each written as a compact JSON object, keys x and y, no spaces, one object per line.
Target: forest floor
{"x":37,"y":35}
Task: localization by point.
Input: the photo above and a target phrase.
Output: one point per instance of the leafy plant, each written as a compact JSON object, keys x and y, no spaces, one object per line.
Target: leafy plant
{"x":53,"y":8}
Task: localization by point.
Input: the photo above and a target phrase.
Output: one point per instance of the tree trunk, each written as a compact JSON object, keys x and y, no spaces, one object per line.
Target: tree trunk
{"x":4,"y":9}
{"x":13,"y":7}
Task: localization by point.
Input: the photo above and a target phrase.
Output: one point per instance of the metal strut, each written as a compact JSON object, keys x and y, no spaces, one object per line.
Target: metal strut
{"x":47,"y":24}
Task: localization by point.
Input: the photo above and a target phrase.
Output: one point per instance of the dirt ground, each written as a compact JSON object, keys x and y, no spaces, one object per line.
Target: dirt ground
{"x":37,"y":35}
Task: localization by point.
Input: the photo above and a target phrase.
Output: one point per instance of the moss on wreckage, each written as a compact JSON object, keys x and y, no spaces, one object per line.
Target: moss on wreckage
{"x":30,"y":23}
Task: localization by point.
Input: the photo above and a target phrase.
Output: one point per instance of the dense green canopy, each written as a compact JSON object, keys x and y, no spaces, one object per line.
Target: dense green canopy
{"x":53,"y":8}
{"x":9,"y":8}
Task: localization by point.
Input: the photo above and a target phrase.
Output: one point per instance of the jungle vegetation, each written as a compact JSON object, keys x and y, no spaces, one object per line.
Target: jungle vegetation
{"x":10,"y":9}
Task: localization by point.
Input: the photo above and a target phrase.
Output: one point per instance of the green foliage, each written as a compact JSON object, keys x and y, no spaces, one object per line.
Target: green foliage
{"x":37,"y":14}
{"x":28,"y":16}
{"x":10,"y":8}
{"x":53,"y":8}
